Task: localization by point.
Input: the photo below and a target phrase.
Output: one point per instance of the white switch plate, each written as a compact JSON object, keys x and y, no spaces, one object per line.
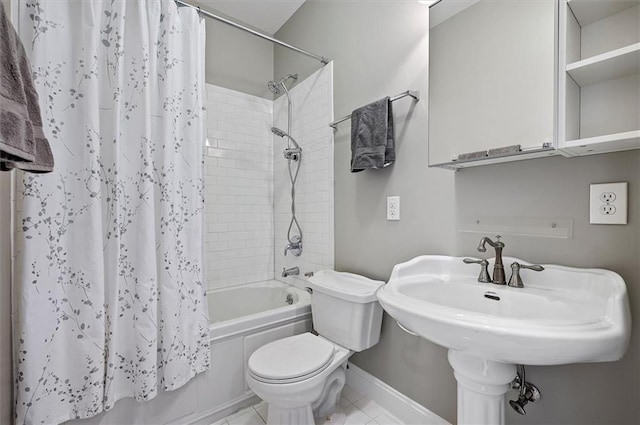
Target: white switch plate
{"x":393,"y":208}
{"x":608,"y":203}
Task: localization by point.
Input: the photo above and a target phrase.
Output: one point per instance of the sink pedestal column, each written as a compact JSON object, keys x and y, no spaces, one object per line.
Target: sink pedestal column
{"x":482,"y":385}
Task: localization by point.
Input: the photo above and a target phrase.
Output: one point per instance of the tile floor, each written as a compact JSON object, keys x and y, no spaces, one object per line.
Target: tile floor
{"x":357,"y":409}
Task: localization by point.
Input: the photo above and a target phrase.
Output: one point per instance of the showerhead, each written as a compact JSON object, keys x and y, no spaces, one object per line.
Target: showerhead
{"x":274,"y":86}
{"x":281,"y":133}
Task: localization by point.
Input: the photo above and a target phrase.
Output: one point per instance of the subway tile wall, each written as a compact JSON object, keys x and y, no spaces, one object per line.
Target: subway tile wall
{"x":312,"y":112}
{"x":247,"y":187}
{"x":238,"y":188}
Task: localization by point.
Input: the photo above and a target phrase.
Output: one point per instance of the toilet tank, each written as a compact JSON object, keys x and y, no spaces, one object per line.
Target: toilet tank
{"x":345,"y":309}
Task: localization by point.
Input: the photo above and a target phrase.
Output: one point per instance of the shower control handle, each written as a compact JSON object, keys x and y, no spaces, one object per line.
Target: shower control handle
{"x":295,"y":246}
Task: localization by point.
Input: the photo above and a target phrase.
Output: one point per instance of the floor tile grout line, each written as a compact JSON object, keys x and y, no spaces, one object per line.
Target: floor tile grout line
{"x":264,"y":421}
{"x":350,"y":404}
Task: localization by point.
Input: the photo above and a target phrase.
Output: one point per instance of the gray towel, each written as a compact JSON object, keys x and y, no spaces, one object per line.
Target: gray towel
{"x":372,"y":142}
{"x":22,"y":141}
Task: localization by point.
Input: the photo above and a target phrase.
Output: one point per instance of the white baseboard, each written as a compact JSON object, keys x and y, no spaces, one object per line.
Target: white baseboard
{"x":221,"y":412}
{"x":399,"y":405}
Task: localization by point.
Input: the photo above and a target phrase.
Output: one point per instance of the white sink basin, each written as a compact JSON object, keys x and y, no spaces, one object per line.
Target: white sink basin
{"x":562,"y":315}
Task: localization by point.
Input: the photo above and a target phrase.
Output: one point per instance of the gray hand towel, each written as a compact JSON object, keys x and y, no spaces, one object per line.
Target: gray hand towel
{"x":22,"y":141}
{"x":372,"y":140}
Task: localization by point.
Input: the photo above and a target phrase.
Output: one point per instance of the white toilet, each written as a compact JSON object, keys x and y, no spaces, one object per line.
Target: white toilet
{"x":301,"y":376}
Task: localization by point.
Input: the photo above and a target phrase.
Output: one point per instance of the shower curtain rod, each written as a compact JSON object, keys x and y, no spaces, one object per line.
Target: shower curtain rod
{"x":322,"y":59}
{"x":415,"y":94}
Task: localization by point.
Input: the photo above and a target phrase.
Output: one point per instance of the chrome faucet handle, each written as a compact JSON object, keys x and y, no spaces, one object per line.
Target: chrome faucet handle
{"x":484,"y":269}
{"x":516,"y":281}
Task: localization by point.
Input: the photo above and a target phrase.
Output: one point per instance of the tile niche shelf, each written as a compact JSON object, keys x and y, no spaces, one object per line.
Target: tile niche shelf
{"x":600,"y":76}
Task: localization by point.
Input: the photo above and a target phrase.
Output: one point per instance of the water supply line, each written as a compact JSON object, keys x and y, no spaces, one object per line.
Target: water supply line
{"x":529,"y":393}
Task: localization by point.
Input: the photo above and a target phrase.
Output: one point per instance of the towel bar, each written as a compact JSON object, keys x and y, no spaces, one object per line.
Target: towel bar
{"x":415,"y":94}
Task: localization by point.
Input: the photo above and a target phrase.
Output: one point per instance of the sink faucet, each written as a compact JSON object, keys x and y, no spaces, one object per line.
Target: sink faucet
{"x":498,"y":268}
{"x":293,"y":271}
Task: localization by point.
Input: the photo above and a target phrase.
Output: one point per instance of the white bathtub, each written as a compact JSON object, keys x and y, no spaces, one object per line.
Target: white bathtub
{"x":246,"y":302}
{"x":242,"y":319}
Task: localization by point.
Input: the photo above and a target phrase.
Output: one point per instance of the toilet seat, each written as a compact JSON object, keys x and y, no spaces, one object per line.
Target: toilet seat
{"x":291,"y":359}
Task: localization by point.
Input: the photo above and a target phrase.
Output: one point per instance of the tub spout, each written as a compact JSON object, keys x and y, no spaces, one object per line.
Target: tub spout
{"x":293,"y":271}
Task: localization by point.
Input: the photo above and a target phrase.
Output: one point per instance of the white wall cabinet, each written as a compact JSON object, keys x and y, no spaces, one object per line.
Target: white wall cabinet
{"x":599,"y":77}
{"x":492,"y":75}
{"x":553,"y":76}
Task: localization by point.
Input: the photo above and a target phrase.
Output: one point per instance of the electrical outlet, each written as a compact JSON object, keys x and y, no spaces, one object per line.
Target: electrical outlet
{"x":393,"y":208}
{"x":608,"y":203}
{"x":607,"y":197}
{"x":607,"y":210}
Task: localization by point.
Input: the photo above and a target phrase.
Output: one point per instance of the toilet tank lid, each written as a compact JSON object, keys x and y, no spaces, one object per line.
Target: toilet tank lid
{"x":346,"y":286}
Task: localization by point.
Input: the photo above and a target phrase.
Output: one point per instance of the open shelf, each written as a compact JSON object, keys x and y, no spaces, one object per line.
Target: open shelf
{"x":607,"y":66}
{"x":601,"y":144}
{"x":590,"y":11}
{"x":600,"y":42}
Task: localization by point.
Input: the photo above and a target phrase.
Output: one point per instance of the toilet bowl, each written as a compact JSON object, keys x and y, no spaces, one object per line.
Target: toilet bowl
{"x":301,"y":376}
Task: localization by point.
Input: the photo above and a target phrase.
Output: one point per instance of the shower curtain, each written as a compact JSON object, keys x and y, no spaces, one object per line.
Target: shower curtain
{"x":109,"y":289}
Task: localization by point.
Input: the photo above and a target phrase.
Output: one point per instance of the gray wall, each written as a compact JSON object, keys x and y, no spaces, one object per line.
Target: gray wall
{"x":238,"y":60}
{"x":380,"y":48}
{"x":559,"y":188}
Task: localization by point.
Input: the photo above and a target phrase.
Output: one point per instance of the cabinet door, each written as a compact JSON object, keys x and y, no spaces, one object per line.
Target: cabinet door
{"x":492,"y":73}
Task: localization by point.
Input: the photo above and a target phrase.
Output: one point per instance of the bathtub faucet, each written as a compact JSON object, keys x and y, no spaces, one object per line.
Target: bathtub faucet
{"x":293,"y":271}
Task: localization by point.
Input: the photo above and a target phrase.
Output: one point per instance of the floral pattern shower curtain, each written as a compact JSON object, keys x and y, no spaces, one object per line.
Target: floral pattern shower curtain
{"x":110,"y":287}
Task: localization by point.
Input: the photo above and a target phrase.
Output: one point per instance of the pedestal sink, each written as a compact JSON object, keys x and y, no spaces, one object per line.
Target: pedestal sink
{"x":562,"y":315}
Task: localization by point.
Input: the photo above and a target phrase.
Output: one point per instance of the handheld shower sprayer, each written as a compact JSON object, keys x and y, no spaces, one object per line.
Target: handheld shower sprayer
{"x":282,"y":133}
{"x":290,"y":153}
